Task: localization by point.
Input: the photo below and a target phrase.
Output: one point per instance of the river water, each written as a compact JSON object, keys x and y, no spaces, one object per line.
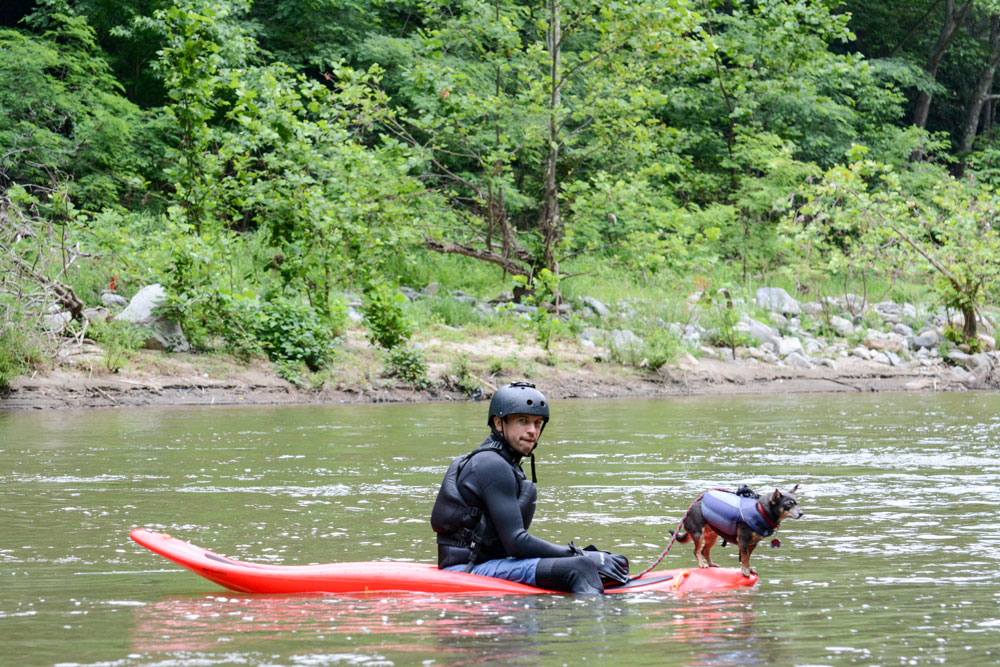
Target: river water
{"x":895,"y":561}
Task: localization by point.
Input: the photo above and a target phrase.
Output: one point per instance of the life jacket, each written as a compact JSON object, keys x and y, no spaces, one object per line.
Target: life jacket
{"x":724,"y":511}
{"x":464,"y":533}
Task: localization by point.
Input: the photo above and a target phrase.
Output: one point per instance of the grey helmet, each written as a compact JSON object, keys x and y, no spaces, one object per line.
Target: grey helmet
{"x":518,"y":398}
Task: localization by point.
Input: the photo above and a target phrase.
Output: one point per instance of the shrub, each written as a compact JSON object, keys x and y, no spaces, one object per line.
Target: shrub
{"x":291,"y":332}
{"x":387,"y":325}
{"x":407,"y":364}
{"x":119,"y":340}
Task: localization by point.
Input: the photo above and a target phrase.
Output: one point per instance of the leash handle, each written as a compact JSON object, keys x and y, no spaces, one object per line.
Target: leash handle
{"x":673,"y":537}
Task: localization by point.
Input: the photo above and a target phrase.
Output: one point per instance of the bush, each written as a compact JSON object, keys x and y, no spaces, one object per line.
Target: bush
{"x":291,"y":332}
{"x":387,"y":325}
{"x":119,"y":340}
{"x":407,"y":364}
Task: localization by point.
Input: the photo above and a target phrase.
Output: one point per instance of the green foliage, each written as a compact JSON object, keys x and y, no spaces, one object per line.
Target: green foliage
{"x":64,"y":119}
{"x":545,"y":324}
{"x":387,"y":325}
{"x":860,"y":215}
{"x":119,"y":340}
{"x":19,"y":347}
{"x":407,"y":364}
{"x":292,"y":332}
{"x":462,"y":376}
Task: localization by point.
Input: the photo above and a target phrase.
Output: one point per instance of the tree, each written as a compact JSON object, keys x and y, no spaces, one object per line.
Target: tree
{"x":508,"y":102}
{"x":860,"y":213}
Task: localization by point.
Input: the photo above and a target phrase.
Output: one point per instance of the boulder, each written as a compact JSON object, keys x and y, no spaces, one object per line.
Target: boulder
{"x":624,"y":341}
{"x":430,"y":289}
{"x":843,"y":326}
{"x":596,"y":307}
{"x":112,"y":300}
{"x":778,"y":300}
{"x":760,"y":331}
{"x":788,"y":345}
{"x":57,"y":321}
{"x":813,"y":309}
{"x":798,"y":360}
{"x":164,"y":333}
{"x":925,"y":339}
{"x":902,"y":329}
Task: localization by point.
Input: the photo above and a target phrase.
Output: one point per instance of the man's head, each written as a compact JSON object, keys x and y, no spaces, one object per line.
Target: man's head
{"x":518,"y":414}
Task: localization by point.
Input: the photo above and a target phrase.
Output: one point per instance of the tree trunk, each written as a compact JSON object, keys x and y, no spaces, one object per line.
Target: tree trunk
{"x":982,"y":90}
{"x":550,"y":220}
{"x":953,"y":22}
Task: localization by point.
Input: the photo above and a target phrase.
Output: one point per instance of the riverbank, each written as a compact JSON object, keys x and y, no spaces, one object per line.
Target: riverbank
{"x":573,"y":370}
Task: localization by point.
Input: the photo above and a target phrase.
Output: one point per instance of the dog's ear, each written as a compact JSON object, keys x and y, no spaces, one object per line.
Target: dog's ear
{"x":775,"y":497}
{"x":794,"y":489}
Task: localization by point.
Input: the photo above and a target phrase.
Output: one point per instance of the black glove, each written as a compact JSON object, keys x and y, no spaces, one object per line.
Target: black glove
{"x":611,"y":567}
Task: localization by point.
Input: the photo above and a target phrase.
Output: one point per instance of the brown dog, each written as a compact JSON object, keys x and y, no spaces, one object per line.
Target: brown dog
{"x":743,"y":518}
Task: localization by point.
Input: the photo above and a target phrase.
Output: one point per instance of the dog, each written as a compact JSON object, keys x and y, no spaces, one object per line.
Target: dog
{"x":744,"y":518}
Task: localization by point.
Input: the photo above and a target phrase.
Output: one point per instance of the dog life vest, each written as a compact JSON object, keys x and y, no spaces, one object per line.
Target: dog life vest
{"x":724,"y":511}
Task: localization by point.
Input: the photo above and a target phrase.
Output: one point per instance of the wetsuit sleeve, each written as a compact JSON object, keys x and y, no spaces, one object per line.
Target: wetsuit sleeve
{"x":498,"y":492}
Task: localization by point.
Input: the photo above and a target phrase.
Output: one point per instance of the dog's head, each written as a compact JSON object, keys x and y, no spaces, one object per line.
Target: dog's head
{"x":784,"y":505}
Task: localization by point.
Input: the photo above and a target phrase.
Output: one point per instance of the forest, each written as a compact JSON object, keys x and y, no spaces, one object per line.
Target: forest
{"x":270,"y":162}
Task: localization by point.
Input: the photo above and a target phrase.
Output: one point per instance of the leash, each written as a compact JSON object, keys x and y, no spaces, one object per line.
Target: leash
{"x":673,"y":538}
{"x":743,"y":490}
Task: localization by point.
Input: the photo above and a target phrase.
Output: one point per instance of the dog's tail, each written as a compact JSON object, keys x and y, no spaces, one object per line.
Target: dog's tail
{"x":681,"y":536}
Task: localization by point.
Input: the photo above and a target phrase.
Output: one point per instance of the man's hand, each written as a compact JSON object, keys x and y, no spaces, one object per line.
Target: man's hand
{"x":611,"y":567}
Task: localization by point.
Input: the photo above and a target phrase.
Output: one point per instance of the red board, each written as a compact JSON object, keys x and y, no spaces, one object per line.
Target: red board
{"x":392,"y":576}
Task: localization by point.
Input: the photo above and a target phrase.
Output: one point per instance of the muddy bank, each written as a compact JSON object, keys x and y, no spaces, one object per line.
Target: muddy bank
{"x":157,"y":379}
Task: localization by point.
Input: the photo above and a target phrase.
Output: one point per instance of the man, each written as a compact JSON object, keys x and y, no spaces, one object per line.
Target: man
{"x":485,"y":506}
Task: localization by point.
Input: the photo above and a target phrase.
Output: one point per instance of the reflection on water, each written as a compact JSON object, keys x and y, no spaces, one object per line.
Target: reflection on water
{"x":451,"y":631}
{"x":894,"y":562}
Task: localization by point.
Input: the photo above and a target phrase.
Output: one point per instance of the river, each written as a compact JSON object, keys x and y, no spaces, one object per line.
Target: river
{"x":894,"y":562}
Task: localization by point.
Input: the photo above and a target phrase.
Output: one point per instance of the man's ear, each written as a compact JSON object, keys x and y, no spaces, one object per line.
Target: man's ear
{"x":497,"y":421}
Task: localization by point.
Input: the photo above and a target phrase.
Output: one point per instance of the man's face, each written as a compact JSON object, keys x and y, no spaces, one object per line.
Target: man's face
{"x":521,"y":431}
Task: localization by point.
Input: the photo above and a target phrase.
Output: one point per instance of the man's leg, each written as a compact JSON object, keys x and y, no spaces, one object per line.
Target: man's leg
{"x":573,"y":574}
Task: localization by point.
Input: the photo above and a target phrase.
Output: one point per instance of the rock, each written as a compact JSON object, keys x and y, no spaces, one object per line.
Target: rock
{"x":520,"y":308}
{"x":881,"y":358}
{"x":927,"y":339}
{"x":410,"y":293}
{"x":98,"y":314}
{"x":789,"y":345}
{"x":798,"y":360}
{"x":468,"y":300}
{"x":624,"y":341}
{"x":688,"y":362}
{"x":431,"y":289}
{"x":989,"y":342}
{"x":842,"y":326}
{"x":813,"y":309}
{"x":353,"y":314}
{"x":862,"y":352}
{"x":902,"y":329}
{"x":813,"y":347}
{"x":778,"y":300}
{"x":959,"y":358}
{"x":882,"y":344}
{"x":112,"y":300}
{"x":761,"y":332}
{"x":962,"y":375}
{"x":56,"y":321}
{"x":596,"y":307}
{"x":824,"y":361}
{"x":779,"y":321}
{"x":165,"y":334}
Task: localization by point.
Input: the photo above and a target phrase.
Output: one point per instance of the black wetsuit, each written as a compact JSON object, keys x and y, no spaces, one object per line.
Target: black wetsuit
{"x":483,"y":512}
